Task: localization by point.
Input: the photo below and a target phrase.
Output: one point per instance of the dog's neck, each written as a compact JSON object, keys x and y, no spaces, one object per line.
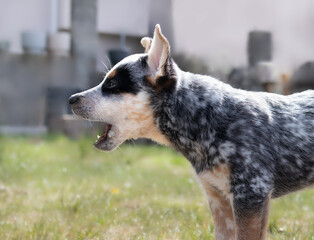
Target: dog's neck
{"x":183,"y":117}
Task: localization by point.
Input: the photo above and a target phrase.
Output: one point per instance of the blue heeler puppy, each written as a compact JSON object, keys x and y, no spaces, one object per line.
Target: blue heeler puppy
{"x":246,"y":147}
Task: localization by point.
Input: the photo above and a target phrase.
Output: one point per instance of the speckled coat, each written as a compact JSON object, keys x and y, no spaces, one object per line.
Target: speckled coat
{"x":246,"y":147}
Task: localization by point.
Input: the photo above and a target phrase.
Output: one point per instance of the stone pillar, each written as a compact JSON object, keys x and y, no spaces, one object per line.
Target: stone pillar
{"x":84,"y":40}
{"x":259,"y":47}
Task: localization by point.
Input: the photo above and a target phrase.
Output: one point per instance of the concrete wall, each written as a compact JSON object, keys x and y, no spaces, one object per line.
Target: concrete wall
{"x":130,"y":17}
{"x":24,"y":81}
{"x":17,"y":16}
{"x":123,"y":16}
{"x":217,"y":30}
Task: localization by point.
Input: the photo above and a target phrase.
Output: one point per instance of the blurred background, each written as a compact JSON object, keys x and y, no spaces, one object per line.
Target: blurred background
{"x":55,"y":185}
{"x":50,"y":49}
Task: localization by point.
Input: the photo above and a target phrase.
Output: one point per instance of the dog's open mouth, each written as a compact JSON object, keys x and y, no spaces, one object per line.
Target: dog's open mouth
{"x":101,"y":139}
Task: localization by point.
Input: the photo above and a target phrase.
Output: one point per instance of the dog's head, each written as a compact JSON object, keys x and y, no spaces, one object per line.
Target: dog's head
{"x":123,"y":99}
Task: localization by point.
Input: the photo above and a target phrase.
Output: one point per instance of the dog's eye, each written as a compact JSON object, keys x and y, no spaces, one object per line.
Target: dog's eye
{"x":112,"y":83}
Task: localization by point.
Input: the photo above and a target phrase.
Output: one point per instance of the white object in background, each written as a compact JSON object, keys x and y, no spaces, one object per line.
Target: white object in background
{"x":4,"y":46}
{"x":59,"y":44}
{"x":34,"y":42}
{"x":265,"y":72}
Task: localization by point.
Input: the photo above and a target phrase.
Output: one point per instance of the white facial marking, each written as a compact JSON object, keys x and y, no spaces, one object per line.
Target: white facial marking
{"x":129,"y":60}
{"x":130,"y":115}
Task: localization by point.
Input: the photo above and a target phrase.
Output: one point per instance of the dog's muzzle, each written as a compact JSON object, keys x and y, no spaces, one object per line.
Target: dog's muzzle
{"x":74,"y":99}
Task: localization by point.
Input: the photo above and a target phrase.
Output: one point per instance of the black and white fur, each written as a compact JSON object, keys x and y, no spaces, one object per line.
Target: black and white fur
{"x":246,"y":147}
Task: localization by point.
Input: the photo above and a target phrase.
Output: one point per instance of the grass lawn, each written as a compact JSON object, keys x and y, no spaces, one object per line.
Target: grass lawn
{"x":56,"y":188}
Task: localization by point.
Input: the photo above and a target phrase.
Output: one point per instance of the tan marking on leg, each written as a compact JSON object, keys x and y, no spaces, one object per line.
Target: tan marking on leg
{"x":218,"y":177}
{"x":222,"y":214}
{"x":255,"y":226}
{"x":220,"y":202}
{"x":249,"y":228}
{"x":265,"y":217}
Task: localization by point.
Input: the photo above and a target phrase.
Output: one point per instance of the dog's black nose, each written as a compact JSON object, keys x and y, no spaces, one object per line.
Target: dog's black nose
{"x":73,"y":99}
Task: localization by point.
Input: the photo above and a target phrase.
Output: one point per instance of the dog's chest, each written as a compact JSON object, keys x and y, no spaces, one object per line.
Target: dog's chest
{"x":217,"y":178}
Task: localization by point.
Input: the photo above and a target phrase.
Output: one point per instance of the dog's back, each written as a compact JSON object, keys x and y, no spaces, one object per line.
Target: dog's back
{"x":263,"y":136}
{"x":293,"y":142}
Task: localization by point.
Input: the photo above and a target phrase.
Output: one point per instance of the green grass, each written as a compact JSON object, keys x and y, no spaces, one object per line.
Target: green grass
{"x":56,"y":188}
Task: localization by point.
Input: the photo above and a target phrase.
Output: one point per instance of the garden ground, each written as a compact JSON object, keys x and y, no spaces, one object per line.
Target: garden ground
{"x":53,"y":187}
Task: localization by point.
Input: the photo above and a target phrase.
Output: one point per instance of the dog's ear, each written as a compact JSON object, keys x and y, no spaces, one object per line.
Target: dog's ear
{"x":146,"y":43}
{"x":158,"y":54}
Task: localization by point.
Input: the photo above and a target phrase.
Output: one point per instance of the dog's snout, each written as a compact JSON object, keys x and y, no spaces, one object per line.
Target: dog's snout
{"x":74,"y":99}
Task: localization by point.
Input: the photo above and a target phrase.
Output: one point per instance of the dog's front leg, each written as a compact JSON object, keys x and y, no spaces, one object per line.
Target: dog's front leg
{"x":221,"y":209}
{"x":251,"y":220}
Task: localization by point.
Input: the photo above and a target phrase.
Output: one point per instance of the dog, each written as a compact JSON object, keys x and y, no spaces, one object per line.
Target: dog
{"x":246,"y":147}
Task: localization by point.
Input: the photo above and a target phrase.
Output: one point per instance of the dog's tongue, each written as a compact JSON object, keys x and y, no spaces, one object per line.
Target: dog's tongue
{"x":103,"y":137}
